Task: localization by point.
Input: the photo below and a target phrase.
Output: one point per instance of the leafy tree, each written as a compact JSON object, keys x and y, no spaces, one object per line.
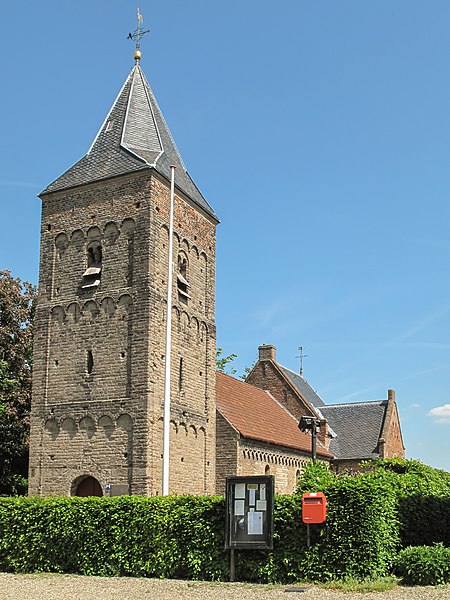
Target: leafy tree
{"x":222,"y":362}
{"x":16,"y":317}
{"x":247,"y":372}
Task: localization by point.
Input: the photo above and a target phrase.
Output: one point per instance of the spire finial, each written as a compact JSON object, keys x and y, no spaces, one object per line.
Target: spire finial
{"x":137,"y":36}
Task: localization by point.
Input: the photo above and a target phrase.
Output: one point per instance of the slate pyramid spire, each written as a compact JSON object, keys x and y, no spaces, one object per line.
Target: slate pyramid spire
{"x":134,"y":136}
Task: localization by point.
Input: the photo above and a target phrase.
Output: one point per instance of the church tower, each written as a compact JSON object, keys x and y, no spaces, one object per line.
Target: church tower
{"x":99,"y":351}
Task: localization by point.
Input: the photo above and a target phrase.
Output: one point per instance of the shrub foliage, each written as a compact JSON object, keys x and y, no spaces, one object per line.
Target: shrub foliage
{"x":422,"y":496}
{"x":424,"y":565}
{"x":155,"y":537}
{"x":183,"y":536}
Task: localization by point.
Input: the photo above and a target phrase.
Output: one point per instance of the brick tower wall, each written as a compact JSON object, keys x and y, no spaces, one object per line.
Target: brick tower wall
{"x":99,"y":352}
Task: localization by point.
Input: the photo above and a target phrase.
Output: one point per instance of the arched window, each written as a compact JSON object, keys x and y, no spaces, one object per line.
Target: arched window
{"x":91,"y":277}
{"x":95,"y":254}
{"x":267,"y":470}
{"x":182,"y":282}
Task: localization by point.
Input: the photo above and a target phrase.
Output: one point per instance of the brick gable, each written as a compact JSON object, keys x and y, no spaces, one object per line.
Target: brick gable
{"x":256,"y":415}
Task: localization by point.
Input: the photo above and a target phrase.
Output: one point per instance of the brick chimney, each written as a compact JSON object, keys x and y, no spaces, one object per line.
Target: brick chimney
{"x":267,"y":352}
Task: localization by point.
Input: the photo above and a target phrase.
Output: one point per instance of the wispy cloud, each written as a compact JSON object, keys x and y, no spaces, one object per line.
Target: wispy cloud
{"x":376,"y":385}
{"x":421,"y":373}
{"x":429,"y":345}
{"x":354,"y":394}
{"x":402,"y":340}
{"x":441,"y":414}
{"x":28,"y":184}
{"x":281,"y":316}
{"x":381,"y":345}
{"x":319,"y":314}
{"x":435,"y":315}
{"x":268,"y":315}
{"x":336,"y":385}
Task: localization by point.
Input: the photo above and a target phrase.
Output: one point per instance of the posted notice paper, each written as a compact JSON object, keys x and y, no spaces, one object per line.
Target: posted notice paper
{"x":255,"y":523}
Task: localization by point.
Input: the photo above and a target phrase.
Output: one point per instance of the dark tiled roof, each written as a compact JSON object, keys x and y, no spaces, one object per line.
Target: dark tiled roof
{"x":134,"y":136}
{"x":358,"y":427}
{"x":257,"y":415}
{"x":303,"y":387}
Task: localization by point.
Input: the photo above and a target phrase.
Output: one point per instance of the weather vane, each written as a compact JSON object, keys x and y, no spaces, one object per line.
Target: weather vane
{"x":301,"y":357}
{"x":138,"y":33}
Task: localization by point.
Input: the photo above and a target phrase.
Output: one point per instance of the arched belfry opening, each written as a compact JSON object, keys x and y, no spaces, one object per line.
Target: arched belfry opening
{"x":94,"y":254}
{"x":182,"y":282}
{"x":89,"y":486}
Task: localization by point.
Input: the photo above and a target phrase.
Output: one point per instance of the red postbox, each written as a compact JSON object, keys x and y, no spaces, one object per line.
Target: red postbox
{"x":314,"y":507}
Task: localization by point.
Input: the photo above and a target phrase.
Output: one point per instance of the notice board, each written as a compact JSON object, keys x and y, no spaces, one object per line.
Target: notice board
{"x":249,"y":518}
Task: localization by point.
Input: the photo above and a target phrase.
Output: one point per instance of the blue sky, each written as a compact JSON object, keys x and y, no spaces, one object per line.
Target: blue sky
{"x":320,"y":134}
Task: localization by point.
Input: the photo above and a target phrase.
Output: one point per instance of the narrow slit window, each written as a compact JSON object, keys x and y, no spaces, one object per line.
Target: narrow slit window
{"x":90,"y":362}
{"x":180,"y":376}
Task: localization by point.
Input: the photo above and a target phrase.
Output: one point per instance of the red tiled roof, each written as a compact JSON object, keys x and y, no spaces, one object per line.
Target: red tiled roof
{"x":256,"y":415}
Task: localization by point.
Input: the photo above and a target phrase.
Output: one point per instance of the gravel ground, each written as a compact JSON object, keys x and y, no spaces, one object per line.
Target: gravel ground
{"x":74,"y":587}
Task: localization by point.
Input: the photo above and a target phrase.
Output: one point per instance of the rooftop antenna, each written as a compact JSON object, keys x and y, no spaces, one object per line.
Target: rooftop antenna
{"x":301,"y":357}
{"x":138,"y":33}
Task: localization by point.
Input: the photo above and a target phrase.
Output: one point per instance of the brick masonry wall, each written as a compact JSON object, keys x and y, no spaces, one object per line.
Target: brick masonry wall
{"x":393,"y":446}
{"x":265,"y":459}
{"x":227,"y":452}
{"x":349,"y":466}
{"x":107,"y":423}
{"x":267,"y":377}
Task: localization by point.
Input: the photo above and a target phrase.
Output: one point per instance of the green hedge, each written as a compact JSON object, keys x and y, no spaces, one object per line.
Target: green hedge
{"x":424,"y":565}
{"x":369,"y":520}
{"x":155,"y":537}
{"x":183,"y":537}
{"x":422,"y":497}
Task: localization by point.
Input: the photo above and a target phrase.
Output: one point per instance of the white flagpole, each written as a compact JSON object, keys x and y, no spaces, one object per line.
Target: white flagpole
{"x":166,"y":432}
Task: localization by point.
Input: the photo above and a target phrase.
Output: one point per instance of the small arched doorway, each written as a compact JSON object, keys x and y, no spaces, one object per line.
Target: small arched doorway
{"x":89,"y":487}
